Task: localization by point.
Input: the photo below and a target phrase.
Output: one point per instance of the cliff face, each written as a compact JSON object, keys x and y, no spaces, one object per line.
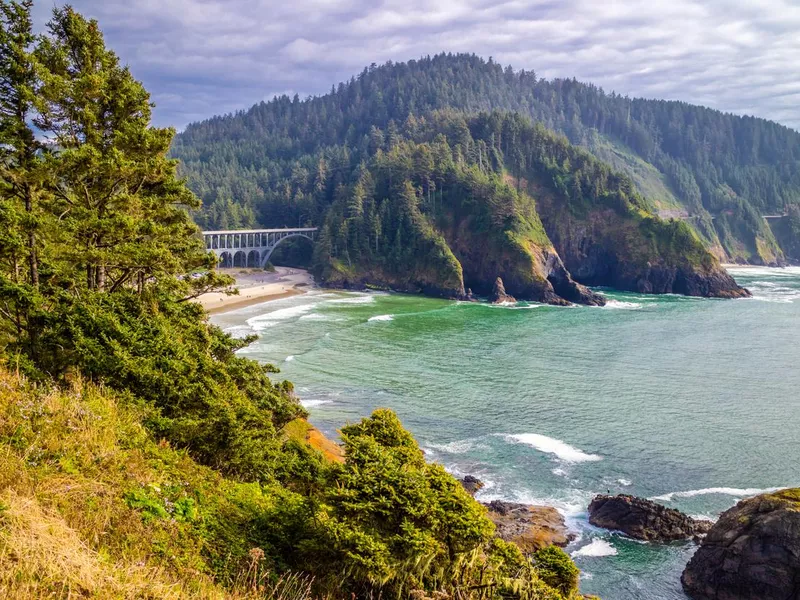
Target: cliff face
{"x":751,"y":553}
{"x":605,"y":234}
{"x":462,"y":201}
{"x":639,"y":253}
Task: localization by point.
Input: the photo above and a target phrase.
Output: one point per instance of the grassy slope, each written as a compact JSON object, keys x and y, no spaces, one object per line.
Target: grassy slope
{"x":92,"y":506}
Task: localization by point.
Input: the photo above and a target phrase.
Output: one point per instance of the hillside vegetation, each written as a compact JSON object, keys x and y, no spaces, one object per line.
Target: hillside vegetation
{"x":140,"y":456}
{"x":699,"y":164}
{"x":449,"y":202}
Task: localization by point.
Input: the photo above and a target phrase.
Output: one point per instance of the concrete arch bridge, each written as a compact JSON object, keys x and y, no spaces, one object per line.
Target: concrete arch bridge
{"x":251,"y":247}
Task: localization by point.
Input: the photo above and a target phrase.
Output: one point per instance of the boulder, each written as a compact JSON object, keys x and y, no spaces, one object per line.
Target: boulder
{"x":643,"y":519}
{"x":751,"y":553}
{"x":499,"y":295}
{"x":529,"y":527}
{"x":471,"y":484}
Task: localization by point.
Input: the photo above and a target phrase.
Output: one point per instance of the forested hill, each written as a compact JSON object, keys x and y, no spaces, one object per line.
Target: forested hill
{"x":718,"y":171}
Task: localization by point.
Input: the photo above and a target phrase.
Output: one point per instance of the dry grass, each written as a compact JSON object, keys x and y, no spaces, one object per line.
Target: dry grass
{"x":66,"y":532}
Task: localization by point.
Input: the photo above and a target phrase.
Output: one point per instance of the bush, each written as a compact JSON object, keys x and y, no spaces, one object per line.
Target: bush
{"x":556,"y":569}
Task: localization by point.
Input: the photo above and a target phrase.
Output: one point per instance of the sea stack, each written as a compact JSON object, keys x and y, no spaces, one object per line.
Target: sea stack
{"x":643,"y":519}
{"x":499,"y":295}
{"x":751,"y":553}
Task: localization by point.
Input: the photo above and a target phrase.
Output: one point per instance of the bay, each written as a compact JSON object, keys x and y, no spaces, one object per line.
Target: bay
{"x":694,"y":402}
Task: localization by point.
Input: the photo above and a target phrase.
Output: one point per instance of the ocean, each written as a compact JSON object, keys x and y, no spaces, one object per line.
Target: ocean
{"x":692,"y":402}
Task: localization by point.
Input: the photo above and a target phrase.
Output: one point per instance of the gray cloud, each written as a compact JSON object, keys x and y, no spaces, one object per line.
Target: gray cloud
{"x":205,"y":57}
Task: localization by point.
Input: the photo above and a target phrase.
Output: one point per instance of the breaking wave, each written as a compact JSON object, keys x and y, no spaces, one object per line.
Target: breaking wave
{"x":596,"y":548}
{"x":314,"y":403}
{"x":382,"y":318}
{"x":724,"y":491}
{"x":620,"y":305}
{"x":558,"y":448}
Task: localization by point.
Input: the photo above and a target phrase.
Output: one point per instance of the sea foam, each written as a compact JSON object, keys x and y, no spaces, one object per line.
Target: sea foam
{"x":382,"y":318}
{"x":272,"y":318}
{"x":360,"y":299}
{"x":620,"y":305}
{"x":596,"y":548}
{"x":548,"y":445}
{"x":724,"y":491}
{"x":314,"y":403}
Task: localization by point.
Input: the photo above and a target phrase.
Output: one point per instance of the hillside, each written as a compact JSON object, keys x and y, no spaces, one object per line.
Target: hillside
{"x":140,"y":455}
{"x":718,"y":172}
{"x":446,"y":204}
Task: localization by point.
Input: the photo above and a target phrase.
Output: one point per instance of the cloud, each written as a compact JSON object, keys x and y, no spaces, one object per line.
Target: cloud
{"x":205,"y":57}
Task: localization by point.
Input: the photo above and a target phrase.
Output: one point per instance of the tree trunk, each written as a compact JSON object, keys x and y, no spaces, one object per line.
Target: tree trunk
{"x":33,"y":259}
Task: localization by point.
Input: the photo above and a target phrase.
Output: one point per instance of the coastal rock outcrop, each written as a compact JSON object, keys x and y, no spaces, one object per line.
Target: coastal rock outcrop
{"x":499,"y":295}
{"x":471,"y":484}
{"x":751,"y":553}
{"x":529,"y":527}
{"x":643,"y":519}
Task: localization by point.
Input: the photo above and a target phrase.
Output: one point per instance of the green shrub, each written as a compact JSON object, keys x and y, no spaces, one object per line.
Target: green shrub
{"x":556,"y":569}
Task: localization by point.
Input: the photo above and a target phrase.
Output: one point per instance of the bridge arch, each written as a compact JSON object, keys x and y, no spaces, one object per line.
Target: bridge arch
{"x":254,"y":259}
{"x":251,"y":247}
{"x":268,"y":252}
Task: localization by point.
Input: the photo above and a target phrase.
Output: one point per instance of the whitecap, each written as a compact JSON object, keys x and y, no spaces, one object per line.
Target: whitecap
{"x":548,"y":445}
{"x":457,"y":447}
{"x":314,"y":403}
{"x":382,"y":318}
{"x":620,"y":305}
{"x":724,"y":491}
{"x":364,"y":299}
{"x":560,"y":472}
{"x":289,"y":358}
{"x":282,"y":314}
{"x":596,"y":548}
{"x":315,"y":317}
{"x":625,"y":482}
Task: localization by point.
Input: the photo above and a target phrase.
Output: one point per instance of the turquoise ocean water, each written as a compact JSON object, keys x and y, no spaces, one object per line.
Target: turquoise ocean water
{"x":693,"y":402}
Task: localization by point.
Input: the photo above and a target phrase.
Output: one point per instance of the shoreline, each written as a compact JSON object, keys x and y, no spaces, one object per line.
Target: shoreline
{"x":256,"y":287}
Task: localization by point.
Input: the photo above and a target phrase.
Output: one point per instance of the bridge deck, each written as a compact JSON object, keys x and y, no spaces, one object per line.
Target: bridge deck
{"x":284,"y":230}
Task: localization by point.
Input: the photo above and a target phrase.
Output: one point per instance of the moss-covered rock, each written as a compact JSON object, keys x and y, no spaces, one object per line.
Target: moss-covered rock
{"x":751,"y":553}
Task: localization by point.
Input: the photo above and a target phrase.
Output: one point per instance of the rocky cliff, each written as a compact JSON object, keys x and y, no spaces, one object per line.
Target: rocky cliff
{"x":462,"y":200}
{"x":643,"y":519}
{"x":751,"y":553}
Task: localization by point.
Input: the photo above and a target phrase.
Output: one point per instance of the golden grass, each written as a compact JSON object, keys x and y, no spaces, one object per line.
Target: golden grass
{"x":67,"y":457}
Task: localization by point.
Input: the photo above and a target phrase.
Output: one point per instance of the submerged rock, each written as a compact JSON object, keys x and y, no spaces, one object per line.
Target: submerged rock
{"x":751,"y":553}
{"x":529,"y":527}
{"x":643,"y":519}
{"x":471,"y":484}
{"x":499,"y":295}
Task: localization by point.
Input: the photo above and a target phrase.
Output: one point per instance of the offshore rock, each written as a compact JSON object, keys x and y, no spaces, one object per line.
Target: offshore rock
{"x":471,"y":484}
{"x":529,"y":527}
{"x":751,"y":553}
{"x":499,"y":295}
{"x":643,"y":519}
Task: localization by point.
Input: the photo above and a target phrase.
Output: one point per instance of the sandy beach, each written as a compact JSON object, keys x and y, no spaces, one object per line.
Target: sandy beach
{"x":257,"y":286}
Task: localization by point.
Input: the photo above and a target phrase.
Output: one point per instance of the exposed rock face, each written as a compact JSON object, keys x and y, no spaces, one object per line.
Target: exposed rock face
{"x":471,"y":484}
{"x":499,"y":295}
{"x":529,"y":527}
{"x":568,"y":288}
{"x":751,"y":553}
{"x":643,"y":519}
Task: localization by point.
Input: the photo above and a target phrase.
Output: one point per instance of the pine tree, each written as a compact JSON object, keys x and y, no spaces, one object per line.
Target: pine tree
{"x":120,"y":203}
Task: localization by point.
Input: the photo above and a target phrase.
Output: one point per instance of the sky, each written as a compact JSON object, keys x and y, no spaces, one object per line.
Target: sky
{"x":200,"y":58}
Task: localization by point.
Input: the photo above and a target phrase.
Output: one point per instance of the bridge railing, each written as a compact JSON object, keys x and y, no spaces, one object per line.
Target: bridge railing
{"x":252,"y":238}
{"x":250,"y":247}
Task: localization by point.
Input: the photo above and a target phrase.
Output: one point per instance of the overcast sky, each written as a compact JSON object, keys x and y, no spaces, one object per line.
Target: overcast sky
{"x":199,"y":58}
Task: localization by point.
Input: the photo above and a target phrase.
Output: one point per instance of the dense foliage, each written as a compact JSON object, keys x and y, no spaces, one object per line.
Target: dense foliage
{"x":278,"y":157}
{"x":449,"y":202}
{"x":139,"y":455}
